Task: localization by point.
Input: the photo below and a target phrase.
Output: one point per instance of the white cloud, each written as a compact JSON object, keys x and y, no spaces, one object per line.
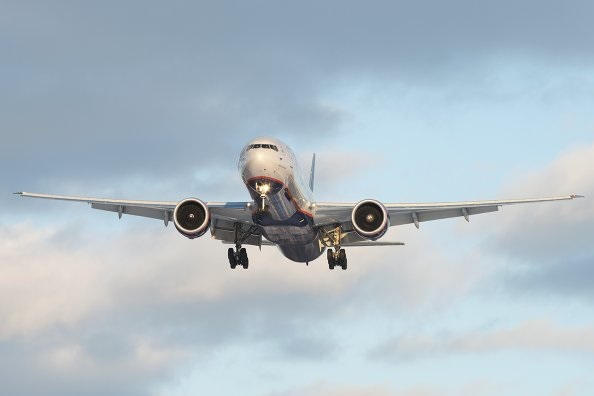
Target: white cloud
{"x":551,"y":230}
{"x":547,"y":247}
{"x":474,"y":388}
{"x":43,"y":283}
{"x":539,"y":335}
{"x":143,"y":301}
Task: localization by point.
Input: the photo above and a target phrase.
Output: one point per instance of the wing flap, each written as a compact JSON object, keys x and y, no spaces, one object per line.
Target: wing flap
{"x":153,"y":213}
{"x":228,"y":231}
{"x":399,"y":217}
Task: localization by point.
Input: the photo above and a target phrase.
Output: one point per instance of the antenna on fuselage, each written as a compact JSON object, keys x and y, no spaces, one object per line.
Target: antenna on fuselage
{"x":312,"y":172}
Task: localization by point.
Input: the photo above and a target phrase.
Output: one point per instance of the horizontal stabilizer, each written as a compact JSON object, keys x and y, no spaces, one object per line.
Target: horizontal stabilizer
{"x":373,"y":243}
{"x":352,"y":244}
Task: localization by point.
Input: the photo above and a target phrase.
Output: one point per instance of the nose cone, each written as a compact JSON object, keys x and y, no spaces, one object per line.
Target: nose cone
{"x":260,"y":163}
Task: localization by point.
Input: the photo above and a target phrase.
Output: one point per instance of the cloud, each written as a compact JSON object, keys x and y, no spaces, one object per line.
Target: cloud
{"x":474,"y":388}
{"x":533,"y":335}
{"x":323,"y":388}
{"x":123,"y":310}
{"x":548,"y":231}
{"x":549,"y":245}
{"x":154,"y":100}
{"x":156,"y":91}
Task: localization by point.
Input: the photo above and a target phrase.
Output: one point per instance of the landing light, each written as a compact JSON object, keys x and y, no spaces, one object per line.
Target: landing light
{"x":263,"y":188}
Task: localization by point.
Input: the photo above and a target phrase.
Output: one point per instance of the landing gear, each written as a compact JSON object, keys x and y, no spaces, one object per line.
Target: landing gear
{"x":232,"y":258}
{"x":337,"y":257}
{"x":342,"y":260}
{"x":243,"y":258}
{"x":238,"y":256}
{"x":331,"y":238}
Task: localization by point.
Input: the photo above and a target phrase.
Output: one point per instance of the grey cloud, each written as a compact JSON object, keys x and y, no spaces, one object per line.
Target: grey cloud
{"x":155,"y":89}
{"x":305,"y":347}
{"x":568,"y":277}
{"x":550,"y":243}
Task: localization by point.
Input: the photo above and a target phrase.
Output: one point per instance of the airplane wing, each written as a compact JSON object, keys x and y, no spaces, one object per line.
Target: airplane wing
{"x":327,"y":213}
{"x":221,"y":212}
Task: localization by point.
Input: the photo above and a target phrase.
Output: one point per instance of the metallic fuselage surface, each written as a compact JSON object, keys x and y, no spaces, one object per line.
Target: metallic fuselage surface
{"x":271,"y":173}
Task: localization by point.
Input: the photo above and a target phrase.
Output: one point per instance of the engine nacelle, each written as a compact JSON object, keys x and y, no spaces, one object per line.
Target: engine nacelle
{"x":191,"y":217}
{"x":370,"y":219}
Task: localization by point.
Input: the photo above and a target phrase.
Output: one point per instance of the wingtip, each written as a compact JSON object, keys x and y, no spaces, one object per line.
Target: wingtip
{"x":18,"y":193}
{"x":573,"y":196}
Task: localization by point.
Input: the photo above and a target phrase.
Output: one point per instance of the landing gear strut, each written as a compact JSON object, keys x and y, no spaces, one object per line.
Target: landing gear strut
{"x":238,"y":256}
{"x":337,"y":258}
{"x":331,"y":239}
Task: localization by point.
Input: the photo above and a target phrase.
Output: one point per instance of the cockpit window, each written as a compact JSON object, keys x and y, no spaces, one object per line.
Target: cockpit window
{"x":266,"y":146}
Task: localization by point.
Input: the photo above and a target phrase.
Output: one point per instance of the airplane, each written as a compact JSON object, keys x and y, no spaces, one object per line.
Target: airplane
{"x":283,"y":212}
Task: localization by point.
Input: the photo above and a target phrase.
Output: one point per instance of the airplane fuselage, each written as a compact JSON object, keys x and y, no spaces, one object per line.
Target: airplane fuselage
{"x":284,"y":203}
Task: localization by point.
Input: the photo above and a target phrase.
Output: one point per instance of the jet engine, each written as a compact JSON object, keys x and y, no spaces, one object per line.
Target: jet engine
{"x":191,"y":217}
{"x":370,"y":219}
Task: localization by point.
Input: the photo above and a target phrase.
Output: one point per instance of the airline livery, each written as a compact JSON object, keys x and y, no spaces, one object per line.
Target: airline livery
{"x":283,"y":212}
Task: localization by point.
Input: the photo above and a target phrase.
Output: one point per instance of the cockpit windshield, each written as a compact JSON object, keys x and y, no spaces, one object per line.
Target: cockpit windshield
{"x":264,"y":146}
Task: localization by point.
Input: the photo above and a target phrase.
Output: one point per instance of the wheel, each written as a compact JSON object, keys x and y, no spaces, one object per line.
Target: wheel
{"x":331,"y":261}
{"x":243,"y":258}
{"x":342,"y":259}
{"x":232,"y":260}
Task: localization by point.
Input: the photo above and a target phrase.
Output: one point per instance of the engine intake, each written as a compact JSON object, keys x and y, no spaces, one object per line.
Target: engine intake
{"x":191,"y":217}
{"x":370,"y":219}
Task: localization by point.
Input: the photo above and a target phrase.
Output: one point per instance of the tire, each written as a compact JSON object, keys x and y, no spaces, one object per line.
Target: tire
{"x":243,"y":258}
{"x":331,"y":262}
{"x":231,"y":256}
{"x":342,"y":259}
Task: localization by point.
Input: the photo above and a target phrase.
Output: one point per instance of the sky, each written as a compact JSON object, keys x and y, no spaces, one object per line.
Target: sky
{"x":402,"y":102}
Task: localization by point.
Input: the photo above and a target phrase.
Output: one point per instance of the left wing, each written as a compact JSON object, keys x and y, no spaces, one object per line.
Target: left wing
{"x":415,"y":213}
{"x":225,"y":214}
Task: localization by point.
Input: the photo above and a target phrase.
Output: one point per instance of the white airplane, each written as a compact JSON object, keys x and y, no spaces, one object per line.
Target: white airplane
{"x":284,"y":212}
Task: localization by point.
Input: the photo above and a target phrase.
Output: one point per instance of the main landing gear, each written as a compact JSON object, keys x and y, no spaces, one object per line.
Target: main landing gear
{"x":238,"y":256}
{"x":331,"y":238}
{"x":337,"y":257}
